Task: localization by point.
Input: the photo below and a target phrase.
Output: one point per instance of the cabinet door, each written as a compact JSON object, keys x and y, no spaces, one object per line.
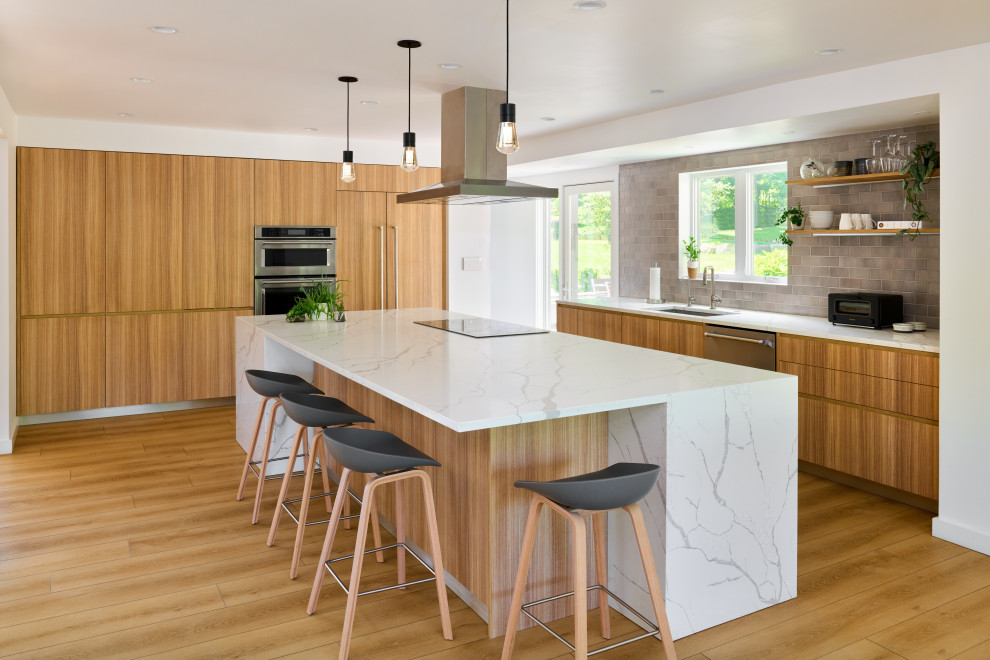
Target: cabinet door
{"x":567,"y":319}
{"x":61,"y":364}
{"x":640,"y":331}
{"x":144,"y":359}
{"x":61,"y":227}
{"x":208,"y":352}
{"x":600,"y":325}
{"x":218,"y":224}
{"x":144,"y":232}
{"x":415,"y":255}
{"x":361,"y":245}
{"x":289,"y":192}
{"x":408,"y":181}
{"x":371,"y":178}
{"x":682,"y":337}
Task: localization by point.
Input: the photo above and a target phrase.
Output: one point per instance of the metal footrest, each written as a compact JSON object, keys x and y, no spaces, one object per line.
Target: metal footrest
{"x":652,"y":630}
{"x":394,"y":586}
{"x":286,"y":503}
{"x":270,"y":477}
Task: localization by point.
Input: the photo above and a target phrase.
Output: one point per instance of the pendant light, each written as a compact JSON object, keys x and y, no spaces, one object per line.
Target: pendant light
{"x":347,"y":173}
{"x":508,"y":139}
{"x":409,"y":161}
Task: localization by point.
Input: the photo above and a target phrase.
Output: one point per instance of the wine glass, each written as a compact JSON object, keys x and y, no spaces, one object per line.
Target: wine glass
{"x":904,"y":149}
{"x":875,"y":163}
{"x":890,"y":155}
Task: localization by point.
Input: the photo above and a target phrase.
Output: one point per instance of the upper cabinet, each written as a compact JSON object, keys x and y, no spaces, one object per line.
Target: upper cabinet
{"x":288,"y":192}
{"x":409,"y":181}
{"x":61,"y":224}
{"x":218,"y":223}
{"x":144,"y":232}
{"x":370,"y":178}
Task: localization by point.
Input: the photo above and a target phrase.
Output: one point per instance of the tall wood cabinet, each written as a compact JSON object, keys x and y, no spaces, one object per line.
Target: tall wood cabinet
{"x":289,"y":192}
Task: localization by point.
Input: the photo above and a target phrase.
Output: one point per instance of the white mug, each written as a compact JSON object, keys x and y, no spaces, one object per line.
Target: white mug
{"x":857,"y":221}
{"x":866,"y":221}
{"x":845,"y":221}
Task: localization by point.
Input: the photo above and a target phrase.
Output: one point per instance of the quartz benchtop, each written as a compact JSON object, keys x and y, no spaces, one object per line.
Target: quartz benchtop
{"x":791,"y":324}
{"x":468,"y":383}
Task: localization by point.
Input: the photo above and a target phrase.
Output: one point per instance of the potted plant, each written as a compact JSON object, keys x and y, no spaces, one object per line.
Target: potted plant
{"x":322,"y":301}
{"x":792,"y":217}
{"x":693,"y":252}
{"x":918,"y":171}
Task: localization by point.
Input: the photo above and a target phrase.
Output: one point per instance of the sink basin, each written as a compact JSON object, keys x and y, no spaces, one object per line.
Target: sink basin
{"x":692,"y":311}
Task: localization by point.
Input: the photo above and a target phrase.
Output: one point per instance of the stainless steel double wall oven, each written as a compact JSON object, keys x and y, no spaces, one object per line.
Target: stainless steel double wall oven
{"x":286,"y":259}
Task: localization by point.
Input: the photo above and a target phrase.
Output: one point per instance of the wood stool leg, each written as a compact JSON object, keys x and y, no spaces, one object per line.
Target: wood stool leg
{"x":580,"y":557}
{"x":286,"y":478}
{"x":314,"y":596}
{"x":601,"y":571}
{"x":400,"y":531}
{"x":320,"y":454}
{"x":367,"y":516}
{"x":431,"y":525}
{"x":652,"y":580}
{"x":250,"y":451}
{"x":347,"y":509}
{"x":375,"y":529}
{"x":303,"y":512}
{"x":264,"y":463}
{"x":515,"y":611}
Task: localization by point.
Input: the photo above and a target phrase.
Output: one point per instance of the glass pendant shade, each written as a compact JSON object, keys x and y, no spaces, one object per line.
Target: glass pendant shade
{"x":507,"y":141}
{"x":409,"y":162}
{"x":347,"y":173}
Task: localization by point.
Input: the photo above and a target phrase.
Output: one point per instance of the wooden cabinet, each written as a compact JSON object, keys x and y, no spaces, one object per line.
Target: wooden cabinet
{"x":391,"y":255}
{"x":409,"y":181}
{"x":371,"y":178}
{"x":144,"y":359}
{"x":682,"y":337}
{"x":217,"y":232}
{"x":289,"y":192}
{"x":61,"y":228}
{"x":144,"y":232}
{"x":208,"y":352}
{"x":61,"y":363}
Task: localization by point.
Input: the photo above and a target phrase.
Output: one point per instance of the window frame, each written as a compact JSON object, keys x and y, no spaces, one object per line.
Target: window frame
{"x":689,"y":185}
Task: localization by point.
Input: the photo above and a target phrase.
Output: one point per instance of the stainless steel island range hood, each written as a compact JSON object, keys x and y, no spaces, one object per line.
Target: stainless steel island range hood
{"x":472,"y":170}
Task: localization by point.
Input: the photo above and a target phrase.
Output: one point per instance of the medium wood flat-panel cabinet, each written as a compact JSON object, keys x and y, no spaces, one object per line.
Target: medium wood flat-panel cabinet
{"x":61,"y":223}
{"x":144,"y":359}
{"x":61,"y":364}
{"x":208,"y":353}
{"x":144,"y":232}
{"x":289,"y":192}
{"x":391,"y":255}
{"x":218,"y":223}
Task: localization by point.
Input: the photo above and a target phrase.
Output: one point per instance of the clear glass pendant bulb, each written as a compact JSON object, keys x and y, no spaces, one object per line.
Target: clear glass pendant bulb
{"x":409,"y":162}
{"x":347,"y":173}
{"x":508,"y":141}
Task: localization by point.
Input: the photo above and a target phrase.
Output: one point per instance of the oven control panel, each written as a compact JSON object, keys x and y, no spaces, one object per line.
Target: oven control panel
{"x":295,"y":232}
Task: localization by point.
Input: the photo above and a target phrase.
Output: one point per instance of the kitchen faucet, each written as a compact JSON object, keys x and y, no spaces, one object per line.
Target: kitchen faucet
{"x":704,"y":280}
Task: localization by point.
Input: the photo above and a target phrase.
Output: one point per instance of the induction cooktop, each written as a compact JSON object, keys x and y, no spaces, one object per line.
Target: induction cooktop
{"x":478,"y":327}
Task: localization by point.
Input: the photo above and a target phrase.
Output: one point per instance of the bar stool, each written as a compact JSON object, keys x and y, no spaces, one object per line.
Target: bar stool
{"x":313,"y":411}
{"x":619,"y":486}
{"x":269,"y":384}
{"x":390,"y":460}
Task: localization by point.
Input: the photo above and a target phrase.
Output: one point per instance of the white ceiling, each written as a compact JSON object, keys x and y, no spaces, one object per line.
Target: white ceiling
{"x":259,"y":65}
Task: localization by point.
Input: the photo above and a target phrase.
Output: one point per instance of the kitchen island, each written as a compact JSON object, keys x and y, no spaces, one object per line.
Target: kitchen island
{"x":723,"y":518}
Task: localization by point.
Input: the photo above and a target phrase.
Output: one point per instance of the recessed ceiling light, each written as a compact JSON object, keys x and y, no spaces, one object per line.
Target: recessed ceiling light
{"x":163,"y":29}
{"x":828,"y":51}
{"x":922,"y":113}
{"x":310,"y":129}
{"x":688,"y":146}
{"x":450,"y":65}
{"x":589,"y":5}
{"x":548,"y":119}
{"x":142,"y":80}
{"x":656,"y":91}
{"x":369,"y":102}
{"x":124,"y":114}
{"x":787,"y":132}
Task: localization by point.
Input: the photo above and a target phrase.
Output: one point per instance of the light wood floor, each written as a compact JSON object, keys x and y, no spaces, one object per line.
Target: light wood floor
{"x":121,"y":538}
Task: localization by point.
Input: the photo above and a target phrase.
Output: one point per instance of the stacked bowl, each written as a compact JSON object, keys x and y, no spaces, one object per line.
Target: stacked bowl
{"x":821,"y":219}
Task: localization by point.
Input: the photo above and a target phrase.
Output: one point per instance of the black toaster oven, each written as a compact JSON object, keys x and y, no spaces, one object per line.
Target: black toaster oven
{"x":869,"y":310}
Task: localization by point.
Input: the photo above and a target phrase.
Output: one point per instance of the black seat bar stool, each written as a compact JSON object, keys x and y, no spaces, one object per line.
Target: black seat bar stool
{"x":314,"y":411}
{"x":619,"y":486}
{"x":269,"y":384}
{"x":391,"y":461}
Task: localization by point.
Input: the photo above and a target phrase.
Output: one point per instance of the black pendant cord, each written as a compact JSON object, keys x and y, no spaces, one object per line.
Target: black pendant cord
{"x":409,"y":92}
{"x":348,"y":116}
{"x":506,"y":51}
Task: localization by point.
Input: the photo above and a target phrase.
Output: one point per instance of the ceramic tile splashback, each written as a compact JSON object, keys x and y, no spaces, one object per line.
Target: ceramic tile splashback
{"x":648,"y":233}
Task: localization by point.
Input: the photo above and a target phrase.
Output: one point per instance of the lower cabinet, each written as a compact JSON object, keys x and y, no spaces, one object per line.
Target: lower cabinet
{"x":682,"y":337}
{"x":208,"y":352}
{"x":144,"y":359}
{"x":61,"y":364}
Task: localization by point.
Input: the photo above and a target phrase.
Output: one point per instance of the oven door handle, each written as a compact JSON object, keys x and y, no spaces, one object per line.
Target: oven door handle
{"x":315,"y":245}
{"x":267,"y":283}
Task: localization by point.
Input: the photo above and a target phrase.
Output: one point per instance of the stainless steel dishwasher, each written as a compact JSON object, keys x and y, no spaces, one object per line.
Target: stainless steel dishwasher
{"x":750,"y":348}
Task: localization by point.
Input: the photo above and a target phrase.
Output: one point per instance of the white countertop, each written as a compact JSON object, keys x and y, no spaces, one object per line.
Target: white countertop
{"x":792,"y":324}
{"x":468,"y":383}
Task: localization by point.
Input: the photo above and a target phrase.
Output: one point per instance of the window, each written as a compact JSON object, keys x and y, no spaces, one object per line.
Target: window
{"x":732,"y":213}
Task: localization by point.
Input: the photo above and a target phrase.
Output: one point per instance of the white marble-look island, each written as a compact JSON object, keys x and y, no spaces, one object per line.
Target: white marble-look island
{"x":492,"y":410}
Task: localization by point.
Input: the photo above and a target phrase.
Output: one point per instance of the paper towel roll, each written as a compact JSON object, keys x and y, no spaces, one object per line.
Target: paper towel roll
{"x":654,"y":283}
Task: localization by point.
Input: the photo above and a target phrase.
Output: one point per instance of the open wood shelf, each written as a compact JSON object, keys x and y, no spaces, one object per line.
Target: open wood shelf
{"x":852,"y":180}
{"x":855,"y":232}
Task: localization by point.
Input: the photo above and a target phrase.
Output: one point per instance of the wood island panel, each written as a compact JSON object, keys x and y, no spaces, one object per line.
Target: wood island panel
{"x":144,"y":359}
{"x":61,"y":364}
{"x":61,"y":228}
{"x":209,"y":349}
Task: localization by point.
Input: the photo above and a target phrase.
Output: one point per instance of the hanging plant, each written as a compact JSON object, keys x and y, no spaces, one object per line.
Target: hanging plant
{"x":918,"y":172}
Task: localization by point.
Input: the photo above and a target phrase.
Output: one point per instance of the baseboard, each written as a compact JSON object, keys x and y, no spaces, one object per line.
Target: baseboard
{"x":870,"y":486}
{"x":961,"y":535}
{"x":7,"y":446}
{"x":123,"y":411}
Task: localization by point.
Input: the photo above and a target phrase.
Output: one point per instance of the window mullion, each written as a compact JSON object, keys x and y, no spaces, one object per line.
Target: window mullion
{"x":741,"y":202}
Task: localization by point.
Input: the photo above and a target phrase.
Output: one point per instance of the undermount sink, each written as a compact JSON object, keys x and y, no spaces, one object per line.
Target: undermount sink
{"x":692,"y":311}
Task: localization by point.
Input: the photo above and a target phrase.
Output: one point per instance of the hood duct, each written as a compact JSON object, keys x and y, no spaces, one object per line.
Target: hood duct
{"x":472,"y":170}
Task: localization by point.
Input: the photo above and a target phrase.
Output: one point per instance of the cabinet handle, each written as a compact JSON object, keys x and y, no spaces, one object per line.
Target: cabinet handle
{"x":395,"y":258}
{"x":762,"y":342}
{"x":381,"y":261}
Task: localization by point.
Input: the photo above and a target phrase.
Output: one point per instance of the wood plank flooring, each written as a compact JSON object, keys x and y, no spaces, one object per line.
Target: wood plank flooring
{"x":120,"y":538}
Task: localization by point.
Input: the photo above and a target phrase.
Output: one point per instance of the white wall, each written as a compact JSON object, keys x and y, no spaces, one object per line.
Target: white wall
{"x":468,"y":235}
{"x":516,"y":243}
{"x":8,"y":276}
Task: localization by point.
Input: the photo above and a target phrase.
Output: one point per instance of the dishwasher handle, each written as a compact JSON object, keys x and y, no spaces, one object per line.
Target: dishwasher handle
{"x":762,"y":342}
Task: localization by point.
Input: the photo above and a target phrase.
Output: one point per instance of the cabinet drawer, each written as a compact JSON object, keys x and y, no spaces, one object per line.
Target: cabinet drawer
{"x":909,"y":366}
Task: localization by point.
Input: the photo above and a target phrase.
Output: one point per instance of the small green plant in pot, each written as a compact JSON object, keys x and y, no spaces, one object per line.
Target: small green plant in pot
{"x":693,"y":253}
{"x":794,"y":216}
{"x":325,"y":300}
{"x":918,"y":172}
